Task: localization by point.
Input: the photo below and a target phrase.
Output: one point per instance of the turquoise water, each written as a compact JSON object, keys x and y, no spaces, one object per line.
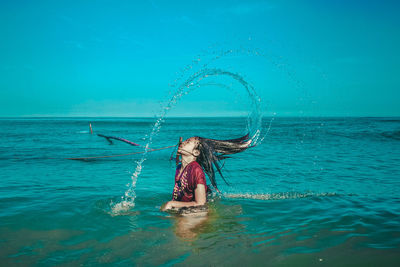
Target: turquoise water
{"x":316,"y":191}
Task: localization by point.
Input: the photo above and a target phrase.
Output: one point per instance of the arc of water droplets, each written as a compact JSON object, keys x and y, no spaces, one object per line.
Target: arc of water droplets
{"x":254,"y":124}
{"x":254,"y":118}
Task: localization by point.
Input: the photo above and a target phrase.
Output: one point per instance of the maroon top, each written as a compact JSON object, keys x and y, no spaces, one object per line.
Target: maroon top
{"x":187,"y":182}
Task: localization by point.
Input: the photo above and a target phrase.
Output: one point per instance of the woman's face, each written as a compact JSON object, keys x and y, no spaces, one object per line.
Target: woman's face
{"x":188,"y":146}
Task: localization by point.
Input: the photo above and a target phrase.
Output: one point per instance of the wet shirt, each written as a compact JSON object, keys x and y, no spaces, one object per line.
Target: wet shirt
{"x":186,"y":183}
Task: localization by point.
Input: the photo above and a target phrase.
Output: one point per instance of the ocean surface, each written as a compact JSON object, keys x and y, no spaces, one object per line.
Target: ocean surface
{"x":317,"y":191}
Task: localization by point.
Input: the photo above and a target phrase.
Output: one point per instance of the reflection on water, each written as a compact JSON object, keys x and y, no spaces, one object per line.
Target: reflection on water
{"x":189,"y":226}
{"x":191,"y":223}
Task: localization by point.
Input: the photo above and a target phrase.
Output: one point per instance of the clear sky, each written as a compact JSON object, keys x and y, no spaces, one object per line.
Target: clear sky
{"x":118,"y":58}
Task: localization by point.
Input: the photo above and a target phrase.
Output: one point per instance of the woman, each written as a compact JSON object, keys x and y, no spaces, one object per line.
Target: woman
{"x":199,"y":156}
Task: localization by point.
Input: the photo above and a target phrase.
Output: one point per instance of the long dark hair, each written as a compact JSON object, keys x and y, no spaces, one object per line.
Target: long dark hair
{"x":213,"y":151}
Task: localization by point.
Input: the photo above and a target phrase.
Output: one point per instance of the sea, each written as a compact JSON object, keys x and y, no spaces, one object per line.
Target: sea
{"x":316,"y":191}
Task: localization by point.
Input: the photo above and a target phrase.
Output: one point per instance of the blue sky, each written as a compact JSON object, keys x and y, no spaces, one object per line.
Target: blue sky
{"x":118,"y":58}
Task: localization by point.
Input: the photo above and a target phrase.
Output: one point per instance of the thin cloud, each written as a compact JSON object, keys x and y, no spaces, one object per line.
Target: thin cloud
{"x":75,"y":44}
{"x":153,"y":4}
{"x":179,"y":19}
{"x":243,"y":9}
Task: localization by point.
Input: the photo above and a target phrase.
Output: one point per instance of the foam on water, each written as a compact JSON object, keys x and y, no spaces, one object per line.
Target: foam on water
{"x":279,"y":196}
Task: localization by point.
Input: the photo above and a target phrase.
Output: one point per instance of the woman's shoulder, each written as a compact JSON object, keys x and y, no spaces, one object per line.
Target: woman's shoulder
{"x":192,"y":166}
{"x":196,"y":170}
{"x":195,"y":165}
{"x":179,"y":166}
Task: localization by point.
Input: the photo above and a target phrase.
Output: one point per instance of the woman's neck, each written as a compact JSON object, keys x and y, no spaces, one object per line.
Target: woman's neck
{"x":186,"y":160}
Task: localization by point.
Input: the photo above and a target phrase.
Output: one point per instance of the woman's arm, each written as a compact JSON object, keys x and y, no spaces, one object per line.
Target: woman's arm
{"x":200,"y":199}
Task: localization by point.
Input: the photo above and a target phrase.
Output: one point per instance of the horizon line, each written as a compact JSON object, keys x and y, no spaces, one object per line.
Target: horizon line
{"x":179,"y":117}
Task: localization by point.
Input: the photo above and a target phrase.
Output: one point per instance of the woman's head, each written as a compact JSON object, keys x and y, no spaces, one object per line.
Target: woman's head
{"x":209,"y":152}
{"x":189,"y":147}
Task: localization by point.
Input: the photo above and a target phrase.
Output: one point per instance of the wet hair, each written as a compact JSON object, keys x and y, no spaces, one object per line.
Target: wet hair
{"x":213,"y":151}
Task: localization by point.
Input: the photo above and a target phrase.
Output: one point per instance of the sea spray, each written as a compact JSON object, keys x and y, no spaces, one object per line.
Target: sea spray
{"x":280,"y":196}
{"x":195,"y":81}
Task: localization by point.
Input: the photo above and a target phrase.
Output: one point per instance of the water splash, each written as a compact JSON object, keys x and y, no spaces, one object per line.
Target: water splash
{"x":280,"y":196}
{"x":194,"y":81}
{"x":254,"y":117}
